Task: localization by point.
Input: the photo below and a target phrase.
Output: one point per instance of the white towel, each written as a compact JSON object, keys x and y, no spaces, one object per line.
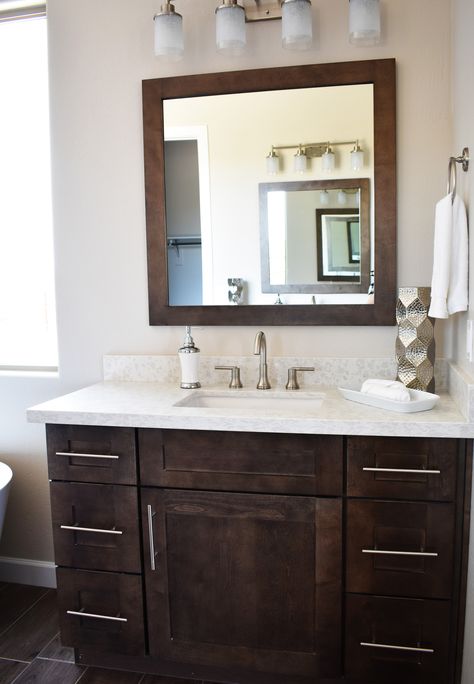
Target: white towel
{"x":388,"y":389}
{"x":450,"y":257}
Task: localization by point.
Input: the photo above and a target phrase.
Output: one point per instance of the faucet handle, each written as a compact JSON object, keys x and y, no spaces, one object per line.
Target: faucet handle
{"x":292,"y":383}
{"x":235,"y":382}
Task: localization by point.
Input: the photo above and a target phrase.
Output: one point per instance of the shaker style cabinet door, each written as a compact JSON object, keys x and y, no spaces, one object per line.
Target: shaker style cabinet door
{"x":244,"y":580}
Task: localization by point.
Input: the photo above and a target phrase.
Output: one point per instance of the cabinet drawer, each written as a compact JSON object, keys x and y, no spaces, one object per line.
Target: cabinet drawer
{"x":96,"y":526}
{"x":101,"y":610}
{"x":400,"y":549}
{"x":397,"y":640}
{"x":402,"y":467}
{"x":91,"y":454}
{"x":240,"y":461}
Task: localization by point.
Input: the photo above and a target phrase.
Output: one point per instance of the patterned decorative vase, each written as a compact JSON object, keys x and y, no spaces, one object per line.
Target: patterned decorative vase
{"x":415,"y":346}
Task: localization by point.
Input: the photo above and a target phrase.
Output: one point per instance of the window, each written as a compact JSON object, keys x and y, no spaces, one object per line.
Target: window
{"x":27,"y":308}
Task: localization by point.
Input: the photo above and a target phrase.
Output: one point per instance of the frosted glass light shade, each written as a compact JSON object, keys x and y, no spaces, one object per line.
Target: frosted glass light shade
{"x":357,"y":159}
{"x":328,"y":160}
{"x":364,"y":22}
{"x":297,"y":26}
{"x":169,"y":34}
{"x":300,"y":161}
{"x":273,"y":163}
{"x":324,"y":197}
{"x":230,"y":29}
{"x":341,"y":198}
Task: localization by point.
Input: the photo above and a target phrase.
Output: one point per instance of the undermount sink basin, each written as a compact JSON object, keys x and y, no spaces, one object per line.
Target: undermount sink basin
{"x":263,"y":400}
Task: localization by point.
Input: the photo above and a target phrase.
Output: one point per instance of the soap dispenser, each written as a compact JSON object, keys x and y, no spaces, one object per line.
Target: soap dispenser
{"x":189,"y":359}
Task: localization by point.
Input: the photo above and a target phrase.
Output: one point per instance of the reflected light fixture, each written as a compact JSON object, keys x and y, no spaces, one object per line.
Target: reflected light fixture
{"x":364,"y":22}
{"x":357,"y":157}
{"x":328,"y":159}
{"x":341,"y":197}
{"x":297,"y":27}
{"x":169,"y":33}
{"x":300,"y":160}
{"x":324,"y":197}
{"x":230,"y":28}
{"x":273,"y":162}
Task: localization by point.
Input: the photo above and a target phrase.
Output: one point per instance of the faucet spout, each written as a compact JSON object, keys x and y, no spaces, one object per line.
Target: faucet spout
{"x":260,"y":349}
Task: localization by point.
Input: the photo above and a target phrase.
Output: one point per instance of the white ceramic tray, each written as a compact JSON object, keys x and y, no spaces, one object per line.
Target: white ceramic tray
{"x":419,"y":401}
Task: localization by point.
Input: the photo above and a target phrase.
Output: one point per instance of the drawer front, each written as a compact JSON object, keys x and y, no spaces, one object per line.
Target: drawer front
{"x":400,"y":549}
{"x":101,"y":611}
{"x":240,"y":461}
{"x":402,"y":467}
{"x":91,"y":454}
{"x":397,"y":640}
{"x":96,"y":526}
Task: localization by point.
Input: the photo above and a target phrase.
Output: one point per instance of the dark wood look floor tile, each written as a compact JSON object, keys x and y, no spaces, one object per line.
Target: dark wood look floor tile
{"x":56,"y":651}
{"x":28,"y":635}
{"x":156,"y":679}
{"x":16,"y":599}
{"x":95,"y":675}
{"x":50,"y":672}
{"x":10,"y":669}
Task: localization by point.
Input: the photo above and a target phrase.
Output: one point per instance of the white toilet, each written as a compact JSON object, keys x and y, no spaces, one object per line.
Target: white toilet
{"x":5,"y":480}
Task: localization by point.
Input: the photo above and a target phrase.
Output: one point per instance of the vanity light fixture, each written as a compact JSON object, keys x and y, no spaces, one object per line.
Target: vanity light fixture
{"x":328,"y":159}
{"x":357,"y":157}
{"x":273,"y":162}
{"x":364,"y":22}
{"x":230,"y":28}
{"x":307,"y":151}
{"x":300,"y":160}
{"x":169,"y":33}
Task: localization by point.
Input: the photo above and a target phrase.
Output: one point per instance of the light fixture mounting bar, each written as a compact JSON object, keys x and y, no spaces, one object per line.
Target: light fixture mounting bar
{"x":314,"y":149}
{"x":261,"y":10}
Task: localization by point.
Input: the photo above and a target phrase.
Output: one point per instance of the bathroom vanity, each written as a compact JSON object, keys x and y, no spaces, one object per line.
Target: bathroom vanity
{"x":255,"y":554}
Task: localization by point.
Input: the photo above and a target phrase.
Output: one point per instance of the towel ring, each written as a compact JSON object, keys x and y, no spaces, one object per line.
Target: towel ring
{"x":464,"y":161}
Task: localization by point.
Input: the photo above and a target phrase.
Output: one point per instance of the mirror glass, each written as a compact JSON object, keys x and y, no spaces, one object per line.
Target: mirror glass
{"x":215,"y":165}
{"x":210,"y":141}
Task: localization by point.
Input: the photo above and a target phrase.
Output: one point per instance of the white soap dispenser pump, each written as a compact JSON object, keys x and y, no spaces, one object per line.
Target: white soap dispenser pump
{"x":189,"y":359}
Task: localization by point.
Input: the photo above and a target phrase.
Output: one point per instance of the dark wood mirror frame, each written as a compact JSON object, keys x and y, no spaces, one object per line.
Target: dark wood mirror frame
{"x":380,"y":73}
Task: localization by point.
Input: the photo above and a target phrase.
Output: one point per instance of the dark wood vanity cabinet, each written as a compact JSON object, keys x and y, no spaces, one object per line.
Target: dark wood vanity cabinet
{"x":261,"y":558}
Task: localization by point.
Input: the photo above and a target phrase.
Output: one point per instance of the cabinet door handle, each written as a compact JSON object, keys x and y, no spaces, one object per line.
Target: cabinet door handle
{"x":74,"y":453}
{"x":151,"y":515}
{"x":80,"y":613}
{"x":397,"y":648}
{"x":400,"y":553}
{"x":76,"y":528}
{"x":416,"y":471}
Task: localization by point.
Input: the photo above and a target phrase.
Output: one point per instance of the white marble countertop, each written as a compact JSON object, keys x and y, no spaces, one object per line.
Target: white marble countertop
{"x":150,"y":404}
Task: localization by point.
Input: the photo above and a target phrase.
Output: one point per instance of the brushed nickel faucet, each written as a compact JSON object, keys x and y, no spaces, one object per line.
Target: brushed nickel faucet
{"x":260,"y":349}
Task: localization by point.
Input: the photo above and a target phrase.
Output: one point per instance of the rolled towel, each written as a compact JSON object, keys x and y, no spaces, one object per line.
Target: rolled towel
{"x":387,"y":389}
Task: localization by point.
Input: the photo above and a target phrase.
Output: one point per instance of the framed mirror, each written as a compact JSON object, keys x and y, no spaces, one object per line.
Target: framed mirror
{"x":315,"y":239}
{"x":224,"y":220}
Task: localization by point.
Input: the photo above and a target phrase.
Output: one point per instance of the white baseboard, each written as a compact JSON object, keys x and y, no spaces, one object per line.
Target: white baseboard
{"x":27,"y":571}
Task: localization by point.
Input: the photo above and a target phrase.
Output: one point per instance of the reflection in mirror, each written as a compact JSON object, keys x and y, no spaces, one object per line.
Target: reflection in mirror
{"x":316,"y":238}
{"x":224,"y":166}
{"x":232,"y":163}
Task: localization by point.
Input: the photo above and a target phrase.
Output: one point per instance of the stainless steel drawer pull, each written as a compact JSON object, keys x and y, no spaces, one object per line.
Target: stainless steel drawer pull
{"x":400,"y":553}
{"x":76,"y":528}
{"x":416,"y":471}
{"x":80,"y":613}
{"x":74,"y":453}
{"x":397,"y":648}
{"x":151,"y":515}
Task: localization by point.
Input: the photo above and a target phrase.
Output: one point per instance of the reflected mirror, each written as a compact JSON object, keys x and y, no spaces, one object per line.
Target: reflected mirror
{"x":315,"y":239}
{"x":207,"y":139}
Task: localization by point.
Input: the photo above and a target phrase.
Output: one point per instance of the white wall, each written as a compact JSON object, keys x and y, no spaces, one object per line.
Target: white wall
{"x":100,"y":52}
{"x":463,"y":111}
